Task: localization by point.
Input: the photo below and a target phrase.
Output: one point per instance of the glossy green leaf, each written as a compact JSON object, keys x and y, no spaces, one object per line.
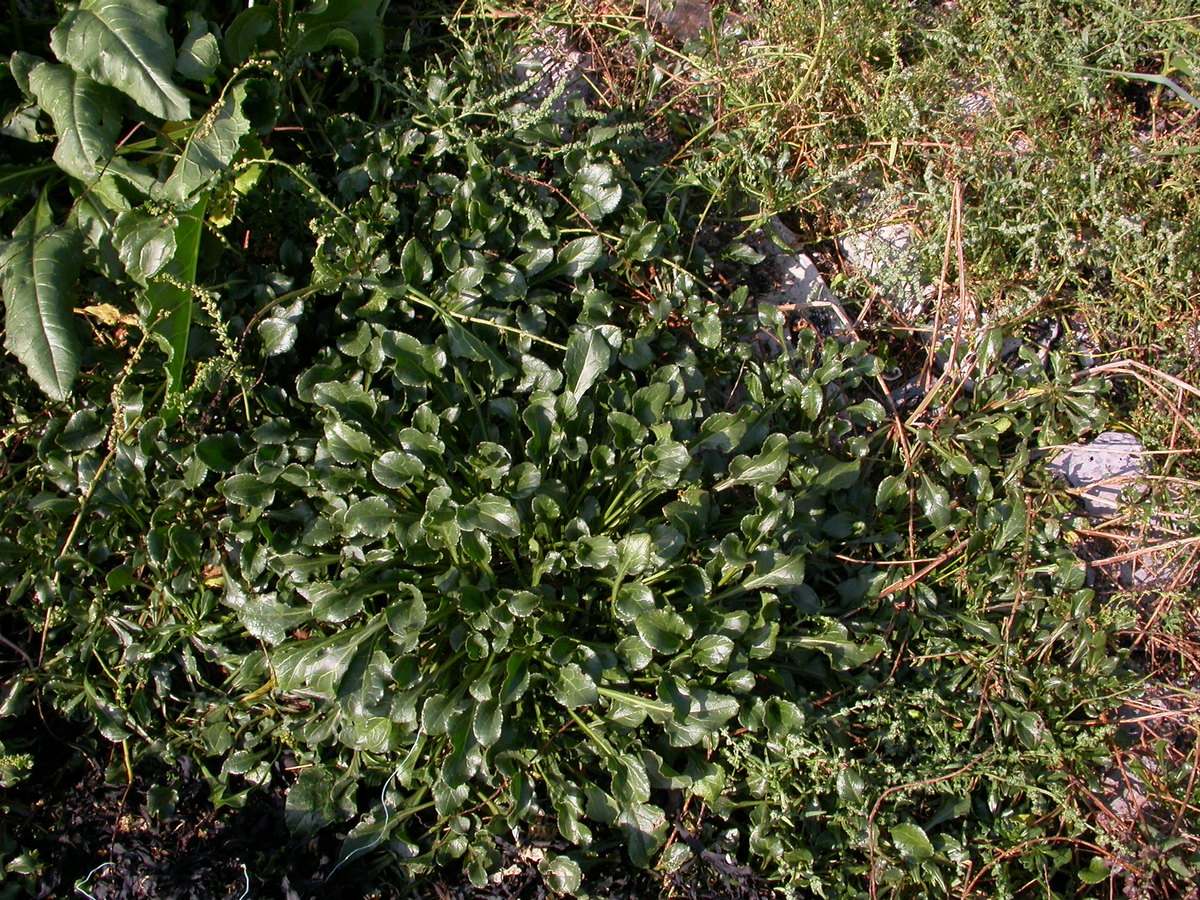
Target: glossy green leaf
{"x":86,"y":117}
{"x":645,"y":828}
{"x":248,"y":490}
{"x":890,"y":488}
{"x":935,"y":502}
{"x":200,"y":52}
{"x":713,"y":651}
{"x":124,"y":44}
{"x":270,"y":620}
{"x":38,"y":271}
{"x":371,"y":516}
{"x":707,"y":329}
{"x":170,"y":303}
{"x":912,"y":841}
{"x":781,"y":570}
{"x":663,"y":629}
{"x":766,"y":467}
{"x":145,"y":243}
{"x":812,"y":396}
{"x":1098,"y":871}
{"x":630,"y":783}
{"x":488,"y":722}
{"x":843,"y":651}
{"x":210,"y":148}
{"x":492,"y":514}
{"x":580,"y":255}
{"x":310,"y":804}
{"x":415,"y":262}
{"x":278,"y":335}
{"x":574,"y":688}
{"x":561,"y":874}
{"x":588,"y":357}
{"x":596,"y":191}
{"x":706,"y":713}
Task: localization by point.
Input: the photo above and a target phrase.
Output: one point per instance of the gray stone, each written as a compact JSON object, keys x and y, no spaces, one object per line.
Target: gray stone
{"x":684,"y":20}
{"x":553,"y":73}
{"x":1102,"y":470}
{"x":886,"y":255}
{"x":798,"y":282}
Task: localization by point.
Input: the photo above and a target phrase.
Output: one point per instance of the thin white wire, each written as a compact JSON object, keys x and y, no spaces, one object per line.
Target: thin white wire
{"x":246,"y":875}
{"x":88,"y":877}
{"x":387,"y":817}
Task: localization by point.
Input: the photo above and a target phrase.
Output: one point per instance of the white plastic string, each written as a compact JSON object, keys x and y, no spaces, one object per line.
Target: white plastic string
{"x":245,"y":875}
{"x":387,"y":817}
{"x":88,"y":877}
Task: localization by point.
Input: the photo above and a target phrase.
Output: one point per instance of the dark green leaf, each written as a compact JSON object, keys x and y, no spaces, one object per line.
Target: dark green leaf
{"x":580,"y":255}
{"x":767,"y":467}
{"x":310,"y":804}
{"x":912,"y":841}
{"x":488,"y":722}
{"x":663,"y":629}
{"x":415,"y":262}
{"x":38,"y":270}
{"x":492,"y":514}
{"x":210,"y":148}
{"x":935,"y":501}
{"x":86,"y":118}
{"x":588,"y":357}
{"x":561,"y":874}
{"x":574,"y":688}
{"x":199,"y":54}
{"x":248,"y":490}
{"x":645,"y":829}
{"x":371,"y":516}
{"x":145,"y":243}
{"x":596,"y":191}
{"x":396,"y":468}
{"x":124,"y":44}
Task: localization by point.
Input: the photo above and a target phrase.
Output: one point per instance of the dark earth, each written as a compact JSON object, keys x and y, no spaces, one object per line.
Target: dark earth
{"x":84,"y":822}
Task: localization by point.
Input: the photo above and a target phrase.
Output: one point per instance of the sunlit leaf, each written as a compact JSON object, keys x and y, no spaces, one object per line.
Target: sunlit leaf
{"x":38,"y":271}
{"x":124,"y":44}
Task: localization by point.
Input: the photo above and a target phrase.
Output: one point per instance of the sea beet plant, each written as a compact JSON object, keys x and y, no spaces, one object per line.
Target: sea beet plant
{"x":496,"y":508}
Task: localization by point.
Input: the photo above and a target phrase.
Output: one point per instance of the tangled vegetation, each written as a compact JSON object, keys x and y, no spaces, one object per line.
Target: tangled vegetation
{"x":384,"y":433}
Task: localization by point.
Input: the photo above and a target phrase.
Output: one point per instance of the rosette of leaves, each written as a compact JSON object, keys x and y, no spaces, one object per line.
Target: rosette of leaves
{"x":519,"y":530}
{"x":539,"y":528}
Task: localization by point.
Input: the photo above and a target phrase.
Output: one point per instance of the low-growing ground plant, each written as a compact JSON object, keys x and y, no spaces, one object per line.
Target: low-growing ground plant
{"x":491,"y":507}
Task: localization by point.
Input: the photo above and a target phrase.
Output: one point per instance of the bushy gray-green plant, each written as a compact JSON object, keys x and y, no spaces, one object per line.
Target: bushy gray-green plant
{"x":496,"y":518}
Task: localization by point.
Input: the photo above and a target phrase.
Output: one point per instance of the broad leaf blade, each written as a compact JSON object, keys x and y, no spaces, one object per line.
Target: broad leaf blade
{"x":588,"y":357}
{"x":85,"y":115}
{"x":170,"y":306}
{"x":211,"y":148}
{"x":37,"y":273}
{"x":145,"y":243}
{"x":912,"y":841}
{"x":200,"y":53}
{"x":580,"y":255}
{"x":124,"y":44}
{"x":596,"y":190}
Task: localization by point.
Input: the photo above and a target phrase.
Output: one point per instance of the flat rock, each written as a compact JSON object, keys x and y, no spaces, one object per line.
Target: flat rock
{"x":886,"y":255}
{"x":1102,"y":470}
{"x":553,"y":72}
{"x":684,"y":20}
